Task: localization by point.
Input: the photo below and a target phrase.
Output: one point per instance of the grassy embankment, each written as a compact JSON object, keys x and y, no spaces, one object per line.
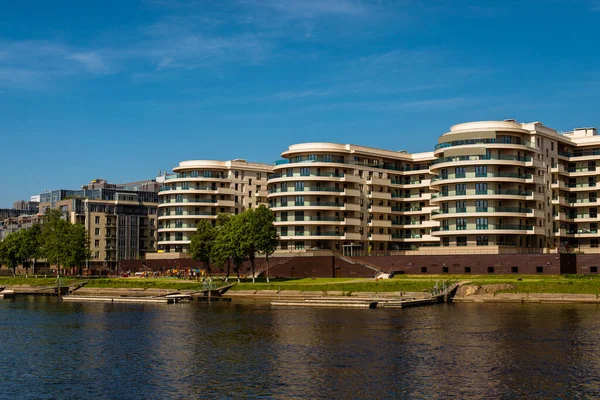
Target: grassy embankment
{"x":406,"y":283}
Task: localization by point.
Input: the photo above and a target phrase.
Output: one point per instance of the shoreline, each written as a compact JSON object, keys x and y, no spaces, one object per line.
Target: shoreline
{"x":541,"y":298}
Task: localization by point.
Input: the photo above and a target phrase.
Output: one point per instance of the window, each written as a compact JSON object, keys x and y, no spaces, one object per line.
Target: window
{"x":299,"y":186}
{"x":299,"y":245}
{"x":490,"y":270}
{"x":299,"y":216}
{"x":461,"y":224}
{"x":97,"y":220}
{"x":459,"y":172}
{"x":461,"y":240}
{"x":423,"y":270}
{"x":304,"y":171}
{"x":96,"y":243}
{"x":481,"y":223}
{"x":481,"y":188}
{"x":299,"y":231}
{"x":539,"y":270}
{"x":481,"y":171}
{"x":467,"y":270}
{"x":445,"y":270}
{"x":284,"y":202}
{"x":594,"y":270}
{"x":289,"y":172}
{"x":514,"y":270}
{"x":481,"y":206}
{"x":481,"y":240}
{"x":259,"y":176}
{"x":461,"y":189}
{"x":444,"y":173}
{"x":97,"y":231}
{"x":284,"y":231}
{"x":299,"y":201}
{"x":461,"y":206}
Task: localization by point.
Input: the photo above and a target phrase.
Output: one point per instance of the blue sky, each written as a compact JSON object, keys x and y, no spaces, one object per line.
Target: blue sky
{"x":121,"y":89}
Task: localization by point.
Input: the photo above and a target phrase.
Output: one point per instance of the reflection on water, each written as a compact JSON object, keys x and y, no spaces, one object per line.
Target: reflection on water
{"x":245,"y":349}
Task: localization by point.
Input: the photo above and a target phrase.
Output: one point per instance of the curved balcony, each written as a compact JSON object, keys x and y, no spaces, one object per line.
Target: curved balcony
{"x":490,"y":176}
{"x":473,"y":229}
{"x":308,"y":205}
{"x":480,"y":160}
{"x":197,"y":203}
{"x":501,"y":141}
{"x":320,"y":235}
{"x":166,"y":190}
{"x":313,"y":220}
{"x":490,"y":194}
{"x":477,"y":211}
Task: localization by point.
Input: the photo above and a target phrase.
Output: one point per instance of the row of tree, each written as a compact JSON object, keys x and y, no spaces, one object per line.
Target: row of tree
{"x":235,"y":238}
{"x":57,"y":241}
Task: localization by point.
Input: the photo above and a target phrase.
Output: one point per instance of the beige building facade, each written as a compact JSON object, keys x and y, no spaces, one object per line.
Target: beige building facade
{"x":487,"y":187}
{"x":200,"y":190}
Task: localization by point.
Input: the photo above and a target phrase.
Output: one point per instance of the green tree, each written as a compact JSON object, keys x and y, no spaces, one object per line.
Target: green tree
{"x":30,"y":246}
{"x":77,"y":247}
{"x":245,"y":240}
{"x":10,"y":250}
{"x":266,"y":235}
{"x":202,"y":243}
{"x":55,"y":231}
{"x":222,"y":247}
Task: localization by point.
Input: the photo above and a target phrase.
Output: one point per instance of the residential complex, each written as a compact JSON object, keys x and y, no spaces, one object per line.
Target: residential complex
{"x":492,"y":186}
{"x":200,"y":190}
{"x":486,"y":187}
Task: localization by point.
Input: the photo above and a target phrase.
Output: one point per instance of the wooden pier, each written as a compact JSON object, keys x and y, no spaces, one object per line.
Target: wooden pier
{"x":439,"y":296}
{"x":101,"y":299}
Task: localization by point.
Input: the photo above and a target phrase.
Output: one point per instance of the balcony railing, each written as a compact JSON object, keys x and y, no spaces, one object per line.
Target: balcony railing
{"x":472,"y":192}
{"x":484,"y":141}
{"x":480,"y":158}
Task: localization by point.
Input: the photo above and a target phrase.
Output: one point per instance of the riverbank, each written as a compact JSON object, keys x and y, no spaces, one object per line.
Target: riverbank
{"x":474,"y":288}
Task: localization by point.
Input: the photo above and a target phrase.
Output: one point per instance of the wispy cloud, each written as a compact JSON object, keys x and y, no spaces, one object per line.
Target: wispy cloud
{"x":313,"y":8}
{"x":432,"y":104}
{"x":34,"y":64}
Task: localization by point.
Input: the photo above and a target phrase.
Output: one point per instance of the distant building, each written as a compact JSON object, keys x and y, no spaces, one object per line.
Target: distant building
{"x":23,"y":205}
{"x":120,"y":218}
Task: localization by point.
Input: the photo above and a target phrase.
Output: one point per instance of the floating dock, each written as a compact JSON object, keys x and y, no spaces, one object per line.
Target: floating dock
{"x":99,"y":299}
{"x":356,"y":303}
{"x":441,"y":297}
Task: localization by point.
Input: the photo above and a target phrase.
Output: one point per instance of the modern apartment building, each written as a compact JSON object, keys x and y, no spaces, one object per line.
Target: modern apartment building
{"x":351,"y":198}
{"x":202,"y":189}
{"x":491,"y":186}
{"x":120,"y":219}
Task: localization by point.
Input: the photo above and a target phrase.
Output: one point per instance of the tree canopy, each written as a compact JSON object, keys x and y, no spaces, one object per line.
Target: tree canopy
{"x":236,"y":238}
{"x":56,"y":240}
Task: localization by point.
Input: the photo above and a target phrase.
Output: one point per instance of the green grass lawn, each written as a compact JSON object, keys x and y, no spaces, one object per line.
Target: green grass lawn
{"x":406,"y":283}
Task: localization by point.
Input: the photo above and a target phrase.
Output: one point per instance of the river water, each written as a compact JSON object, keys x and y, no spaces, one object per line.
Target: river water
{"x":246,"y":349}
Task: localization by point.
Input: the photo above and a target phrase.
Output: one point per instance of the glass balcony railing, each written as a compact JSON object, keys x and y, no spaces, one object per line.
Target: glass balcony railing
{"x":467,"y":142}
{"x":486,"y":175}
{"x":481,"y":158}
{"x":474,"y":192}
